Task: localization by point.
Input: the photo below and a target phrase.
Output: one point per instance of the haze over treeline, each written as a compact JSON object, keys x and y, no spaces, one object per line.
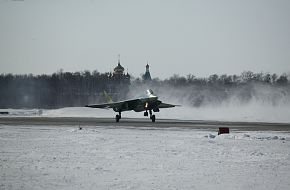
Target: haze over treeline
{"x":65,"y":89}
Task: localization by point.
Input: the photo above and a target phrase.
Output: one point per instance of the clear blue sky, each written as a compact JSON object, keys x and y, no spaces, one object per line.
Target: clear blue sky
{"x":200,"y":37}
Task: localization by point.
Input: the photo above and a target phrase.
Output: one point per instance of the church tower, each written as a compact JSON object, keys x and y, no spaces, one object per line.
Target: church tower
{"x":147,"y":76}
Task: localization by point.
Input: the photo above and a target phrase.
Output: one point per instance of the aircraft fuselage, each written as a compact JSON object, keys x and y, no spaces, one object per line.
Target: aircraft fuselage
{"x":139,"y":105}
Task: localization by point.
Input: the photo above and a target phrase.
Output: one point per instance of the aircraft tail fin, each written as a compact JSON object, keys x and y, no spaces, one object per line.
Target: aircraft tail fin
{"x":108,"y":98}
{"x":150,"y":93}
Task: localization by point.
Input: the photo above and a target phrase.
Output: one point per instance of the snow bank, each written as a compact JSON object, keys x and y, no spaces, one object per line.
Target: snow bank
{"x":224,"y":113}
{"x":251,"y":114}
{"x":21,"y":112}
{"x":254,"y":136}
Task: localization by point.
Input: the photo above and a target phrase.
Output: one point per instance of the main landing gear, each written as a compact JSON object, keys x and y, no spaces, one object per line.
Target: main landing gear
{"x":152,"y":117}
{"x":118,"y":117}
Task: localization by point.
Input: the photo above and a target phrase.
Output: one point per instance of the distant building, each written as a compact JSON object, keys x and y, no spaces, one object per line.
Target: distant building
{"x":119,"y":72}
{"x":147,"y":76}
{"x":118,"y":86}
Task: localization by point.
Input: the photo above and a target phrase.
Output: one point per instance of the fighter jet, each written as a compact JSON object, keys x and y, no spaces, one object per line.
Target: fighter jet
{"x":149,"y":103}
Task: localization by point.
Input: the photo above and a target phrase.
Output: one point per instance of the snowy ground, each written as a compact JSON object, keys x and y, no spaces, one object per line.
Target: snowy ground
{"x":55,"y":157}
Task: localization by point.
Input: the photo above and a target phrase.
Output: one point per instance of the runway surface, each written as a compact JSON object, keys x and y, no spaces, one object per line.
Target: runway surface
{"x":142,"y":122}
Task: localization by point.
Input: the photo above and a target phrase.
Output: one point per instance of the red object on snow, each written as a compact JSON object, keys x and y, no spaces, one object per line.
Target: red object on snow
{"x":223,"y":130}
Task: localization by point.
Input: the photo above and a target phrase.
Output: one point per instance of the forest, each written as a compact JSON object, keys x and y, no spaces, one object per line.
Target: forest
{"x":68,"y":89}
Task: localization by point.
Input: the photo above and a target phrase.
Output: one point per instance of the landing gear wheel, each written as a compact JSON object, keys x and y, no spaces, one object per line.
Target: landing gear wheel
{"x":118,"y":117}
{"x":153,"y":118}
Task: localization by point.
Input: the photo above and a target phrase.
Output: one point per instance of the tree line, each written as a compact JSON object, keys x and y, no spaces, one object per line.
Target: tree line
{"x":61,"y":89}
{"x":65,"y":89}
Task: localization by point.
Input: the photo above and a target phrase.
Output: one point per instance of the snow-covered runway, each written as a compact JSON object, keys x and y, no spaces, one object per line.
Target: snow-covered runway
{"x":50,"y":157}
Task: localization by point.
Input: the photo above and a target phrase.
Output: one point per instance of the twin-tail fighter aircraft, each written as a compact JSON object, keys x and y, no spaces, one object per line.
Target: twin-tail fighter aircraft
{"x":149,"y":103}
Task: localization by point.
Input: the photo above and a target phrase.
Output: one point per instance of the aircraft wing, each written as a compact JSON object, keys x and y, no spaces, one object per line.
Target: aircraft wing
{"x":104,"y":106}
{"x":164,"y":105}
{"x":113,"y":104}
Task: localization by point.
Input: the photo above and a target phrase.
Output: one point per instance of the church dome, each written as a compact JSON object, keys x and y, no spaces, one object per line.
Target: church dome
{"x":119,"y":68}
